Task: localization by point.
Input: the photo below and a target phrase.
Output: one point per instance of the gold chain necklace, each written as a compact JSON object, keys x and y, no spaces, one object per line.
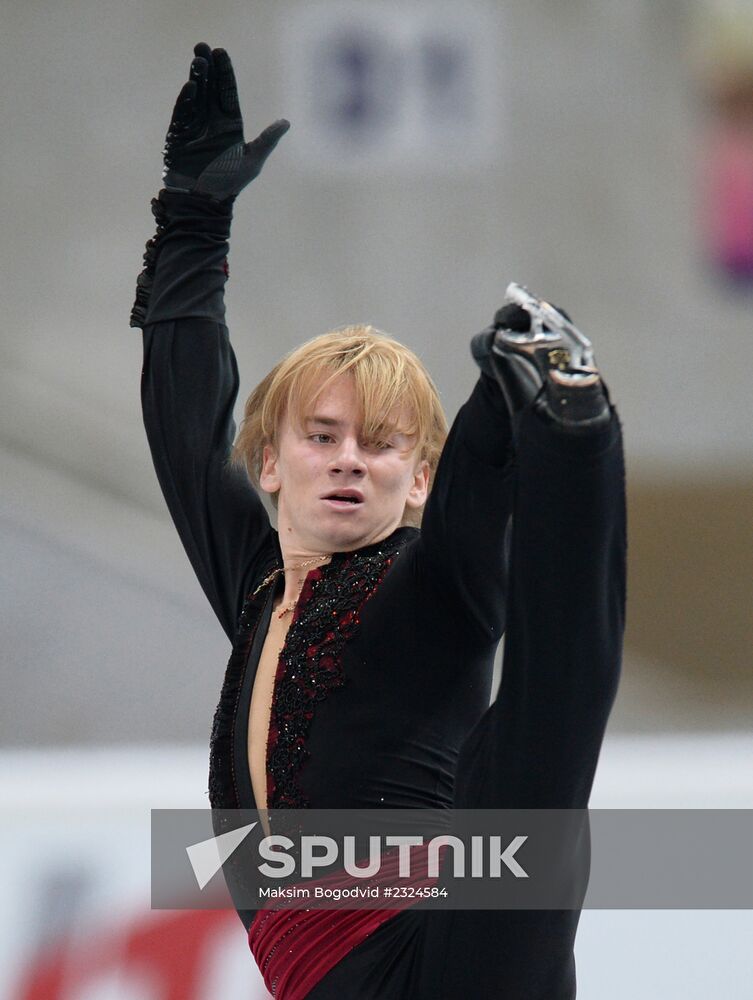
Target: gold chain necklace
{"x":288,"y":607}
{"x":281,"y":569}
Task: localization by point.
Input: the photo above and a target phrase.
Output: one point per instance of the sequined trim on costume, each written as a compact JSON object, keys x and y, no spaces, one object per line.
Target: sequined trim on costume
{"x":198,"y":216}
{"x":310,"y":664}
{"x":223,"y":788}
{"x":145,"y":280}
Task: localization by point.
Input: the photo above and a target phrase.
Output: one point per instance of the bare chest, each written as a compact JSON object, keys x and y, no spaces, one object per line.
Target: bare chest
{"x":261,"y":705}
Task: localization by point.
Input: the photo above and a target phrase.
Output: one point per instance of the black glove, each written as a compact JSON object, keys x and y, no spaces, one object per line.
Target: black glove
{"x":205,"y":152}
{"x":207,"y":164}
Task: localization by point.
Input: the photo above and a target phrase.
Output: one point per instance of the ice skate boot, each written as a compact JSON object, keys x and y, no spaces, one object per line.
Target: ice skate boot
{"x":536,"y":353}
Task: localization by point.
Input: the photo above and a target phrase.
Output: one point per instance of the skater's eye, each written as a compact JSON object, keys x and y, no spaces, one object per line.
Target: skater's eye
{"x":321,"y":438}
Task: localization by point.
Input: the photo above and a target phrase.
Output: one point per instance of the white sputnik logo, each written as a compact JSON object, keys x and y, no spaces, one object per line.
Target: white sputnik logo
{"x":208,"y":856}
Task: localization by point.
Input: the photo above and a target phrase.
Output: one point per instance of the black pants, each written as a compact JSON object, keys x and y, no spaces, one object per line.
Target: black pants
{"x":562,"y":657}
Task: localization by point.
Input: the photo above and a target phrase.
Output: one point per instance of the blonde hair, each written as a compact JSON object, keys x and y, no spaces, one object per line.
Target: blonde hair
{"x":389,"y":379}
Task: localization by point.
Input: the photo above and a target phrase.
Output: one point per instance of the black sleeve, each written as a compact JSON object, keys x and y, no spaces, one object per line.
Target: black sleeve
{"x":189,"y":385}
{"x":465,"y":528}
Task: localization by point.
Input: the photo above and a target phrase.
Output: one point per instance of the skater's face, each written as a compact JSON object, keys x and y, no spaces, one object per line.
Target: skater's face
{"x":335,"y":490}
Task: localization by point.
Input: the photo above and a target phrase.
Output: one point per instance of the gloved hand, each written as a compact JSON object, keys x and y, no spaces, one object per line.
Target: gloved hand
{"x":205,"y":152}
{"x":207,"y":163}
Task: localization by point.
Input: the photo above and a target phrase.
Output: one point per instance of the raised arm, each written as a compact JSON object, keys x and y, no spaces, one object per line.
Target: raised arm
{"x":190,"y":378}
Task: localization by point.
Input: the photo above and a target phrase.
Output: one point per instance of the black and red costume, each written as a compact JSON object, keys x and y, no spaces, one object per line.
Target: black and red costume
{"x":382,"y":689}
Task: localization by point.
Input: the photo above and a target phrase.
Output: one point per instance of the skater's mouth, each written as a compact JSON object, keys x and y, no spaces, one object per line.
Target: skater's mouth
{"x":347,"y":497}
